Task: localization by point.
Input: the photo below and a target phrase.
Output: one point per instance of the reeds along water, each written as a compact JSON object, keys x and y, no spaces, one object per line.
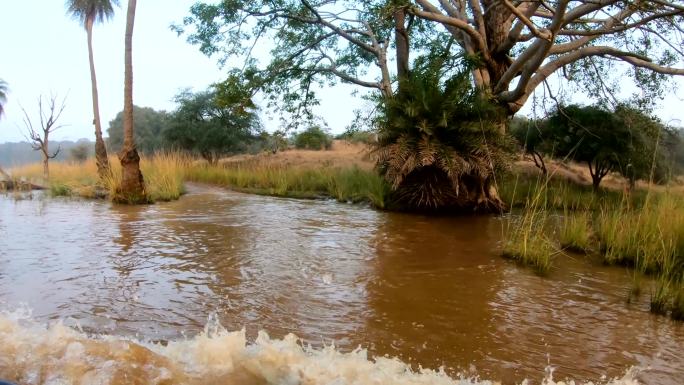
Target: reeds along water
{"x":527,"y":236}
{"x":32,"y":354}
{"x":644,"y":231}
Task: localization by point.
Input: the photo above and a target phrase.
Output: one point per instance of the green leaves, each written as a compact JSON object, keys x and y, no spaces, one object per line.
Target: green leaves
{"x":440,"y":123}
{"x":214,"y":122}
{"x":97,"y":11}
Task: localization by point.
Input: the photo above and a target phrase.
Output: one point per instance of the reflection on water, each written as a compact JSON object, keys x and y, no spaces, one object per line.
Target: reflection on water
{"x":431,"y":291}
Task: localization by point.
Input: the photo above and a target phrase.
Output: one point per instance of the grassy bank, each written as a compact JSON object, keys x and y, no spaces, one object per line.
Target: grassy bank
{"x":351,"y":184}
{"x":643,"y":230}
{"x":163,"y":173}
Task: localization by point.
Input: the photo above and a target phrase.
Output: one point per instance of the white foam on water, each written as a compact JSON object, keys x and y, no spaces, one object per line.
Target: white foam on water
{"x":32,"y":353}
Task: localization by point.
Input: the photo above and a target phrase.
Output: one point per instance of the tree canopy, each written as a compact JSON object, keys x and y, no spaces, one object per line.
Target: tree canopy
{"x":91,"y":11}
{"x":515,"y":45}
{"x":149,"y":125}
{"x":625,"y":141}
{"x":210,"y":126}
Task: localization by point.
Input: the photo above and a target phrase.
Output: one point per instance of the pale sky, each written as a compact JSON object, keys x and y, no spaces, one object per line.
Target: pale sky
{"x":43,"y":50}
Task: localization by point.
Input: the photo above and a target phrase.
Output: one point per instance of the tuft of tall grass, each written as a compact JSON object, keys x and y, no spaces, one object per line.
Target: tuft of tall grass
{"x":526,"y":238}
{"x":678,"y":301}
{"x":530,"y":247}
{"x":575,"y":231}
{"x":164,"y":174}
{"x":649,"y":238}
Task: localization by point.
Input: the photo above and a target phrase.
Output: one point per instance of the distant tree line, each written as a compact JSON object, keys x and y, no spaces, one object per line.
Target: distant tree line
{"x":213,"y":123}
{"x":20,"y":153}
{"x":623,"y":140}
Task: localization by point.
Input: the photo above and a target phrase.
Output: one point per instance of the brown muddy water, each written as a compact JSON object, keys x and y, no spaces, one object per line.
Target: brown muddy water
{"x":185,"y":292}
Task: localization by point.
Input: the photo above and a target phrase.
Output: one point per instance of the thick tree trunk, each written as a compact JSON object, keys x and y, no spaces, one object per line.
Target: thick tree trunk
{"x":103,"y":169}
{"x":132,"y":188}
{"x":402,"y":46}
{"x":497,"y":20}
{"x":429,"y":189}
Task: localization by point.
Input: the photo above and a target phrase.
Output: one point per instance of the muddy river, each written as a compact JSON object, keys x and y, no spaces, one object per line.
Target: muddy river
{"x":211,"y":289}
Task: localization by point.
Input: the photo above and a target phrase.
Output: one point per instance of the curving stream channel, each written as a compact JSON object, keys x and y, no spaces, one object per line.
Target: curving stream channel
{"x":177,"y":293}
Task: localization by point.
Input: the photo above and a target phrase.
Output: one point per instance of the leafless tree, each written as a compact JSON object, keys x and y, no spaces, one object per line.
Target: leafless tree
{"x":39,"y":139}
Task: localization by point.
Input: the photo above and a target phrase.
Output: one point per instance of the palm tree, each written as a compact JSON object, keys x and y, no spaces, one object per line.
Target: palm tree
{"x":89,"y":12}
{"x":3,"y":96}
{"x":132,"y":188}
{"x":3,"y":100}
{"x":438,"y":147}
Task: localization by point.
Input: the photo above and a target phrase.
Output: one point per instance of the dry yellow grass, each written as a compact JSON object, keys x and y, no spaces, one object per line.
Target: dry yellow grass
{"x":342,"y":154}
{"x":163,"y":173}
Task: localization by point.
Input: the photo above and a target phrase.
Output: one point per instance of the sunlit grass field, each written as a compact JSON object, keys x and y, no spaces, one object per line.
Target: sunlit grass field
{"x":163,"y":173}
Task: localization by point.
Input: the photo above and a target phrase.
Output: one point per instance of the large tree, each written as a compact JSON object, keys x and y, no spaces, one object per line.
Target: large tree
{"x":205,"y":125}
{"x":625,"y":140}
{"x":132,"y":189}
{"x":520,"y":44}
{"x":149,"y":130}
{"x":89,"y":12}
{"x":509,"y":47}
{"x":515,"y":45}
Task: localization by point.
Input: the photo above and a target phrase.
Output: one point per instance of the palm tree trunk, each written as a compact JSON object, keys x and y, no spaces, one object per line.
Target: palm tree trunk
{"x":132,"y":184}
{"x":101,"y":159}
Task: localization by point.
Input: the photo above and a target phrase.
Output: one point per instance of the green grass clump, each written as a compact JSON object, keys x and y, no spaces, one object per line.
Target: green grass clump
{"x":678,"y":302}
{"x":356,"y":185}
{"x":575,"y":232}
{"x":518,"y":189}
{"x":343,"y":184}
{"x":660,"y":297}
{"x":526,"y":238}
{"x":530,"y":248}
{"x":59,"y":190}
{"x":650,"y":239}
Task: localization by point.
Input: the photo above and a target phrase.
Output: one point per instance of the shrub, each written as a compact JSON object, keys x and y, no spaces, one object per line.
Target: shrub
{"x":313,"y":138}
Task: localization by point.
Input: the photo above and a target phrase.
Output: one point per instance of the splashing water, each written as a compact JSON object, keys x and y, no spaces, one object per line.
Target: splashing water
{"x":31,"y":353}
